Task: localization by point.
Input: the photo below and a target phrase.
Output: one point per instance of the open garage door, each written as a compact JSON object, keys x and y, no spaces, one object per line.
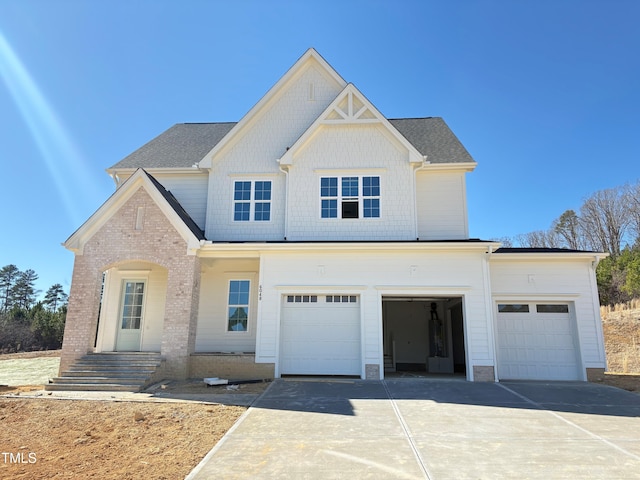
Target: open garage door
{"x":537,"y":341}
{"x":320,"y":335}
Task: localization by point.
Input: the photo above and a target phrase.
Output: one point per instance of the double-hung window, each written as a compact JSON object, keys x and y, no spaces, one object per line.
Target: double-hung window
{"x":238,"y":306}
{"x":252,"y":201}
{"x":350,"y":197}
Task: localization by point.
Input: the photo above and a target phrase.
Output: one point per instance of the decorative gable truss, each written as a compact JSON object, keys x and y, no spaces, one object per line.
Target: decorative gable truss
{"x":351,"y":107}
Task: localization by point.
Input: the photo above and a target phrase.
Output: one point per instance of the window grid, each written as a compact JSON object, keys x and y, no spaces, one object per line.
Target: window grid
{"x":341,"y":299}
{"x":302,"y":299}
{"x":357,"y":197}
{"x":248,"y":207}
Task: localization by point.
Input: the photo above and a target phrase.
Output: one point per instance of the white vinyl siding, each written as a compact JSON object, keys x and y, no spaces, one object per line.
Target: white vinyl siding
{"x":369,"y":275}
{"x":441,"y":205}
{"x":253,"y":154}
{"x":190,"y":191}
{"x":351,"y":151}
{"x":212,"y":333}
{"x":549,"y":281}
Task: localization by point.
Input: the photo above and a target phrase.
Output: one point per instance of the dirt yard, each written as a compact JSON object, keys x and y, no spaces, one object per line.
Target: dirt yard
{"x":49,"y":438}
{"x":45,"y":436}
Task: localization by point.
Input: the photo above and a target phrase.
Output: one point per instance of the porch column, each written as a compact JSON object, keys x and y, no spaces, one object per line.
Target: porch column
{"x":181,"y":316}
{"x":82,"y":313}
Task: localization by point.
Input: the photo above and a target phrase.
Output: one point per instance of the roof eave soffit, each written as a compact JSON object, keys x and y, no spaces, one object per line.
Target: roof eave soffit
{"x":311,"y":55}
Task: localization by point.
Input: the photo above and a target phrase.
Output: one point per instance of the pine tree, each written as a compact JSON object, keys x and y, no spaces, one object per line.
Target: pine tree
{"x":8,"y":277}
{"x":55,"y":297}
{"x":23,"y":294}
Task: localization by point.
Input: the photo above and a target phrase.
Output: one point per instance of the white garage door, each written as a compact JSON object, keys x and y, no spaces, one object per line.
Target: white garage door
{"x":537,"y":342}
{"x":320,"y":335}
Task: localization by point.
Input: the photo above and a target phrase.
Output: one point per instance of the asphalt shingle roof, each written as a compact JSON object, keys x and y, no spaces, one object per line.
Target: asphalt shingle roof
{"x":185,"y":144}
{"x":175,"y":204}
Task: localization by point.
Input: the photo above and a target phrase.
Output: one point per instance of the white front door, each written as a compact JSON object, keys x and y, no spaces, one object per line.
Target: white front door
{"x":537,"y":341}
{"x":131,"y":315}
{"x":320,"y":335}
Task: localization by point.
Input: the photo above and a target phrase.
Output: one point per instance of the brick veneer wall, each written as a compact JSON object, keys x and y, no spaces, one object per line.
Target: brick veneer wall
{"x":230,"y":366}
{"x":116,"y":243}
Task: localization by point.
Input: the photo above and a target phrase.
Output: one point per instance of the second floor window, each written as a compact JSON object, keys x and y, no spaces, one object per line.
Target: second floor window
{"x":350,"y":197}
{"x":252,"y":201}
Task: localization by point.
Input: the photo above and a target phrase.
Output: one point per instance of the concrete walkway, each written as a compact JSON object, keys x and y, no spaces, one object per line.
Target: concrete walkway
{"x":434,"y":429}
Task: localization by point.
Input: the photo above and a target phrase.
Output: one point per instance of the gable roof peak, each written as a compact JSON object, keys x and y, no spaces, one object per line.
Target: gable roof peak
{"x":310,"y":55}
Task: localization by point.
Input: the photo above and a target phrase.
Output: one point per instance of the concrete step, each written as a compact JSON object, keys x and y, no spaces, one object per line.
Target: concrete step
{"x":91,"y":387}
{"x":98,"y":380}
{"x":108,"y":371}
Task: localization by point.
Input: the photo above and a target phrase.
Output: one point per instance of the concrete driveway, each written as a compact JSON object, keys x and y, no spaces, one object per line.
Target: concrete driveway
{"x":434,"y":429}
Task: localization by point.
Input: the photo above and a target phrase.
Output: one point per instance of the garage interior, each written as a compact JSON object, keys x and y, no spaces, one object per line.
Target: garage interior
{"x":423,"y":336}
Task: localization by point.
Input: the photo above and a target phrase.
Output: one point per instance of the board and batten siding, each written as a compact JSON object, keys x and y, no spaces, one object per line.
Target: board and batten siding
{"x":254,"y":155}
{"x":441,"y":205}
{"x":351,"y":150}
{"x":211,"y":333}
{"x":555,"y":281}
{"x":372,"y":275}
{"x":155,"y":279}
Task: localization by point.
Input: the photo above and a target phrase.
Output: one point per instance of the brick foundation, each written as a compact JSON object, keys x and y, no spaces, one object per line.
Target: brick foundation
{"x":483,"y":374}
{"x":372,"y":371}
{"x":595,"y":374}
{"x":229,"y":365}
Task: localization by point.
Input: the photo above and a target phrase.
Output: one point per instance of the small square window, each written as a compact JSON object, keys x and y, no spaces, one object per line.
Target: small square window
{"x":329,"y":299}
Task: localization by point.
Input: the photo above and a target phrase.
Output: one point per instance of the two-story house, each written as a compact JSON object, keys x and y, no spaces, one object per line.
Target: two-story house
{"x":317,"y":237}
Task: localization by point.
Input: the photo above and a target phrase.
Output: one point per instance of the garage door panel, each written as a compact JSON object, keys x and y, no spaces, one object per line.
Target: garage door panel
{"x":537,"y":346}
{"x":320,"y":338}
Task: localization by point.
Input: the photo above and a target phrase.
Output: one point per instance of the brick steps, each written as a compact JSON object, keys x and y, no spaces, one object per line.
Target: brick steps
{"x":112,"y":371}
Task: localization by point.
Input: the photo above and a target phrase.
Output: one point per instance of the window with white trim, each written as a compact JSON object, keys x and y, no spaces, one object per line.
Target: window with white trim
{"x":252,"y":200}
{"x":238,"y":306}
{"x":350,"y":197}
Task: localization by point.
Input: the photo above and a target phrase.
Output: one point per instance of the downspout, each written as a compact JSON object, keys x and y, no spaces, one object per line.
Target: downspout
{"x":491,"y":324}
{"x":597,"y":318}
{"x":286,"y":199}
{"x":422,"y":166}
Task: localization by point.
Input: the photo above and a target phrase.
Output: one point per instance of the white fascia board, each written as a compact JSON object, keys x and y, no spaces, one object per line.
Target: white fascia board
{"x":465,"y":166}
{"x":255,"y":249}
{"x":77,"y":240}
{"x":551,"y":256}
{"x":158,"y":171}
{"x":414,"y":155}
{"x":272,"y":93}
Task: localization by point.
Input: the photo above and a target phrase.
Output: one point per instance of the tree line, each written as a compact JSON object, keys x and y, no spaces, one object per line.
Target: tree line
{"x":27,"y":324}
{"x":607,"y":221}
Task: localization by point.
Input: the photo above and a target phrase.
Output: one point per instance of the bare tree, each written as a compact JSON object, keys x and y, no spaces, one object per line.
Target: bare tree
{"x":632,"y":195}
{"x":604,"y":220}
{"x":539,"y":239}
{"x":567,"y":227}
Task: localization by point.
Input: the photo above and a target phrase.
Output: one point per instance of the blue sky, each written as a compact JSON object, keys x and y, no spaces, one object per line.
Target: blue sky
{"x":545,"y":95}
